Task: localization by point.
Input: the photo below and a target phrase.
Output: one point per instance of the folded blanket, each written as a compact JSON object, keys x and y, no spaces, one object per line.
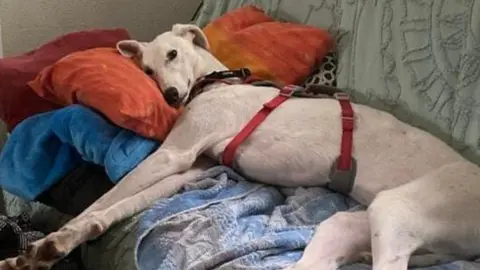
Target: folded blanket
{"x":222,"y":221}
{"x":45,"y":147}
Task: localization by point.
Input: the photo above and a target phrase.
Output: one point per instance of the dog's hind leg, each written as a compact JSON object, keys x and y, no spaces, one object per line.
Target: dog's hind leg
{"x":339,"y":240}
{"x":392,"y":234}
{"x":438,"y":213}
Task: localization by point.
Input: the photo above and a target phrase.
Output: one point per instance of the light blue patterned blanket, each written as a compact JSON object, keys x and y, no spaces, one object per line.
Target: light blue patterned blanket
{"x":223,"y":221}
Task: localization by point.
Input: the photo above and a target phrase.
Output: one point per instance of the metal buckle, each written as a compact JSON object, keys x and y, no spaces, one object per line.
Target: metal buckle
{"x":245,"y":72}
{"x":289,"y":89}
{"x":341,"y":96}
{"x":342,"y":181}
{"x":286,"y":92}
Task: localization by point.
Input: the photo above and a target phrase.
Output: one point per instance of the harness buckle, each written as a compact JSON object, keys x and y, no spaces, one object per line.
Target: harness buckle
{"x":289,"y":89}
{"x":342,"y":181}
{"x":245,"y":72}
{"x":341,"y":96}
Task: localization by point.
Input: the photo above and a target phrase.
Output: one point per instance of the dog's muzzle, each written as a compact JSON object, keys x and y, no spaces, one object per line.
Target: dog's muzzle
{"x":171,"y":96}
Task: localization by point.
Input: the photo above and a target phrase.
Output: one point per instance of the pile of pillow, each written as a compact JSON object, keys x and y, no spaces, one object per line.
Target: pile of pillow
{"x":84,"y":68}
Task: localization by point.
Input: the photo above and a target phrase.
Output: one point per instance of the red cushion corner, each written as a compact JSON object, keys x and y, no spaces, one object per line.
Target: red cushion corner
{"x":17,"y":100}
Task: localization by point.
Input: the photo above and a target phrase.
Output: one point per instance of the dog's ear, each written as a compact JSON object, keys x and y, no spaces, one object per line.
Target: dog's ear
{"x":130,"y":48}
{"x":193,"y":33}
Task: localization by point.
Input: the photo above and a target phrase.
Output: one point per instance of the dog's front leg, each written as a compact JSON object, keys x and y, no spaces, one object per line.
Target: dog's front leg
{"x":339,"y":240}
{"x":135,"y":192}
{"x":47,"y":251}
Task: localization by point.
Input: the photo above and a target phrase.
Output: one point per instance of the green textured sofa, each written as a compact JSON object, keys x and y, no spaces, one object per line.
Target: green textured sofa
{"x":418,"y":59}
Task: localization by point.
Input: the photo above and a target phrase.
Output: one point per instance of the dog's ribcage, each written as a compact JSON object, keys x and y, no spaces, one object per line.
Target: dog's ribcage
{"x":299,"y":141}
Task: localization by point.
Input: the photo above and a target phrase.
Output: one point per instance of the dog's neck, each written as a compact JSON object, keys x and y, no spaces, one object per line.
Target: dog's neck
{"x":208,"y":64}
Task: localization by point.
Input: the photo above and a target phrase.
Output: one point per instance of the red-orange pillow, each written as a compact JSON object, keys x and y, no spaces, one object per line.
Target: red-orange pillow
{"x":17,"y":100}
{"x":282,"y":52}
{"x":112,"y":84}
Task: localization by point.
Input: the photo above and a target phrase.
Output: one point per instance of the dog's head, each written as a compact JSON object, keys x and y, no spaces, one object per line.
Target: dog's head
{"x":171,"y":59}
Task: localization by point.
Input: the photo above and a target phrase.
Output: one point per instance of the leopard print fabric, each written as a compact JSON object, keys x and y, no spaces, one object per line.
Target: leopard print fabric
{"x":325,"y":73}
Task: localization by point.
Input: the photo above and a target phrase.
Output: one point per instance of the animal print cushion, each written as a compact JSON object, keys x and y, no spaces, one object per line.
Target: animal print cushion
{"x":325,"y":73}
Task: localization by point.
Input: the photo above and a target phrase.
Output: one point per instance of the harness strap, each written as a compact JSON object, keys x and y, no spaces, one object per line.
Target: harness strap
{"x":345,"y":159}
{"x":344,"y":169}
{"x":229,"y":153}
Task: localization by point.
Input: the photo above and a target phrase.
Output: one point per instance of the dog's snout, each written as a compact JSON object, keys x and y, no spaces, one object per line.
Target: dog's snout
{"x":171,"y":95}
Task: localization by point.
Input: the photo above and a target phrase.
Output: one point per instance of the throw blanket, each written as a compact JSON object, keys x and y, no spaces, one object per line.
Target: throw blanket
{"x":45,"y":147}
{"x":225,"y":222}
{"x":222,"y":221}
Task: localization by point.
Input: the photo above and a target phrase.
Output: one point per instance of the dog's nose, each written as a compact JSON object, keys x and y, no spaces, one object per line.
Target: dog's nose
{"x":171,"y":95}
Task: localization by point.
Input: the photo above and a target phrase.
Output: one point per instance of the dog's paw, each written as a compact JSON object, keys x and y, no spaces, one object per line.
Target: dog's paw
{"x":46,"y":251}
{"x":40,"y":255}
{"x":20,"y":263}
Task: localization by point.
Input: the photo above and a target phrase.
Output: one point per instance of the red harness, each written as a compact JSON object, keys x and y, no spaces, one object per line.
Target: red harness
{"x":229,"y":152}
{"x":343,"y":170}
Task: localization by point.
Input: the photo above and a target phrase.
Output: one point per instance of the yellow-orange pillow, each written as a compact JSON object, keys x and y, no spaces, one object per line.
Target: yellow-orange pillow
{"x":282,"y":52}
{"x":104,"y":80}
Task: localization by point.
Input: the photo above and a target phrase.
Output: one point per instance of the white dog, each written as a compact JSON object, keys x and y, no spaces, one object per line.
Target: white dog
{"x":421,"y":194}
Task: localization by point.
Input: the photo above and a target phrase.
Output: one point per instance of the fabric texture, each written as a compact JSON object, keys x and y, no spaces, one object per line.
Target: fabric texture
{"x":419,"y":61}
{"x":76,"y":191}
{"x":104,"y":80}
{"x":222,"y":221}
{"x":17,"y":100}
{"x":276,"y":51}
{"x":46,"y":147}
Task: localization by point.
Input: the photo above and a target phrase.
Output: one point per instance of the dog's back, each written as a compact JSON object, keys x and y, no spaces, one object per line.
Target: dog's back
{"x":299,"y":141}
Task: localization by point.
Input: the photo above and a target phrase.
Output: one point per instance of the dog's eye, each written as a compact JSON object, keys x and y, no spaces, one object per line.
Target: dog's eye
{"x":148,"y":71}
{"x":171,"y":55}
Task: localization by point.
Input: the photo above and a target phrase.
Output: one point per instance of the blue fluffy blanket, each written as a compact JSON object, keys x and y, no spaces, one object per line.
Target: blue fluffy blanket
{"x":222,"y":221}
{"x":45,"y":147}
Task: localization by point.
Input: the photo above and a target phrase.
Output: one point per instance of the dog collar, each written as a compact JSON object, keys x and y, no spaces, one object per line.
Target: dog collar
{"x":243,"y":74}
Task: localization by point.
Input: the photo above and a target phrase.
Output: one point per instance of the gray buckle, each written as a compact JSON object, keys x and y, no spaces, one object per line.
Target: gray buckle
{"x":341,"y":96}
{"x":289,"y":89}
{"x":342,"y":181}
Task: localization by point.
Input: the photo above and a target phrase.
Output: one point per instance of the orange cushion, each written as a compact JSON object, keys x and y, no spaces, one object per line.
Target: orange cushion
{"x":277,"y":51}
{"x":113,"y":85}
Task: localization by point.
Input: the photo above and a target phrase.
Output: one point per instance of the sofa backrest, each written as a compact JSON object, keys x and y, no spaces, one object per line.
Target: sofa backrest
{"x":419,"y":60}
